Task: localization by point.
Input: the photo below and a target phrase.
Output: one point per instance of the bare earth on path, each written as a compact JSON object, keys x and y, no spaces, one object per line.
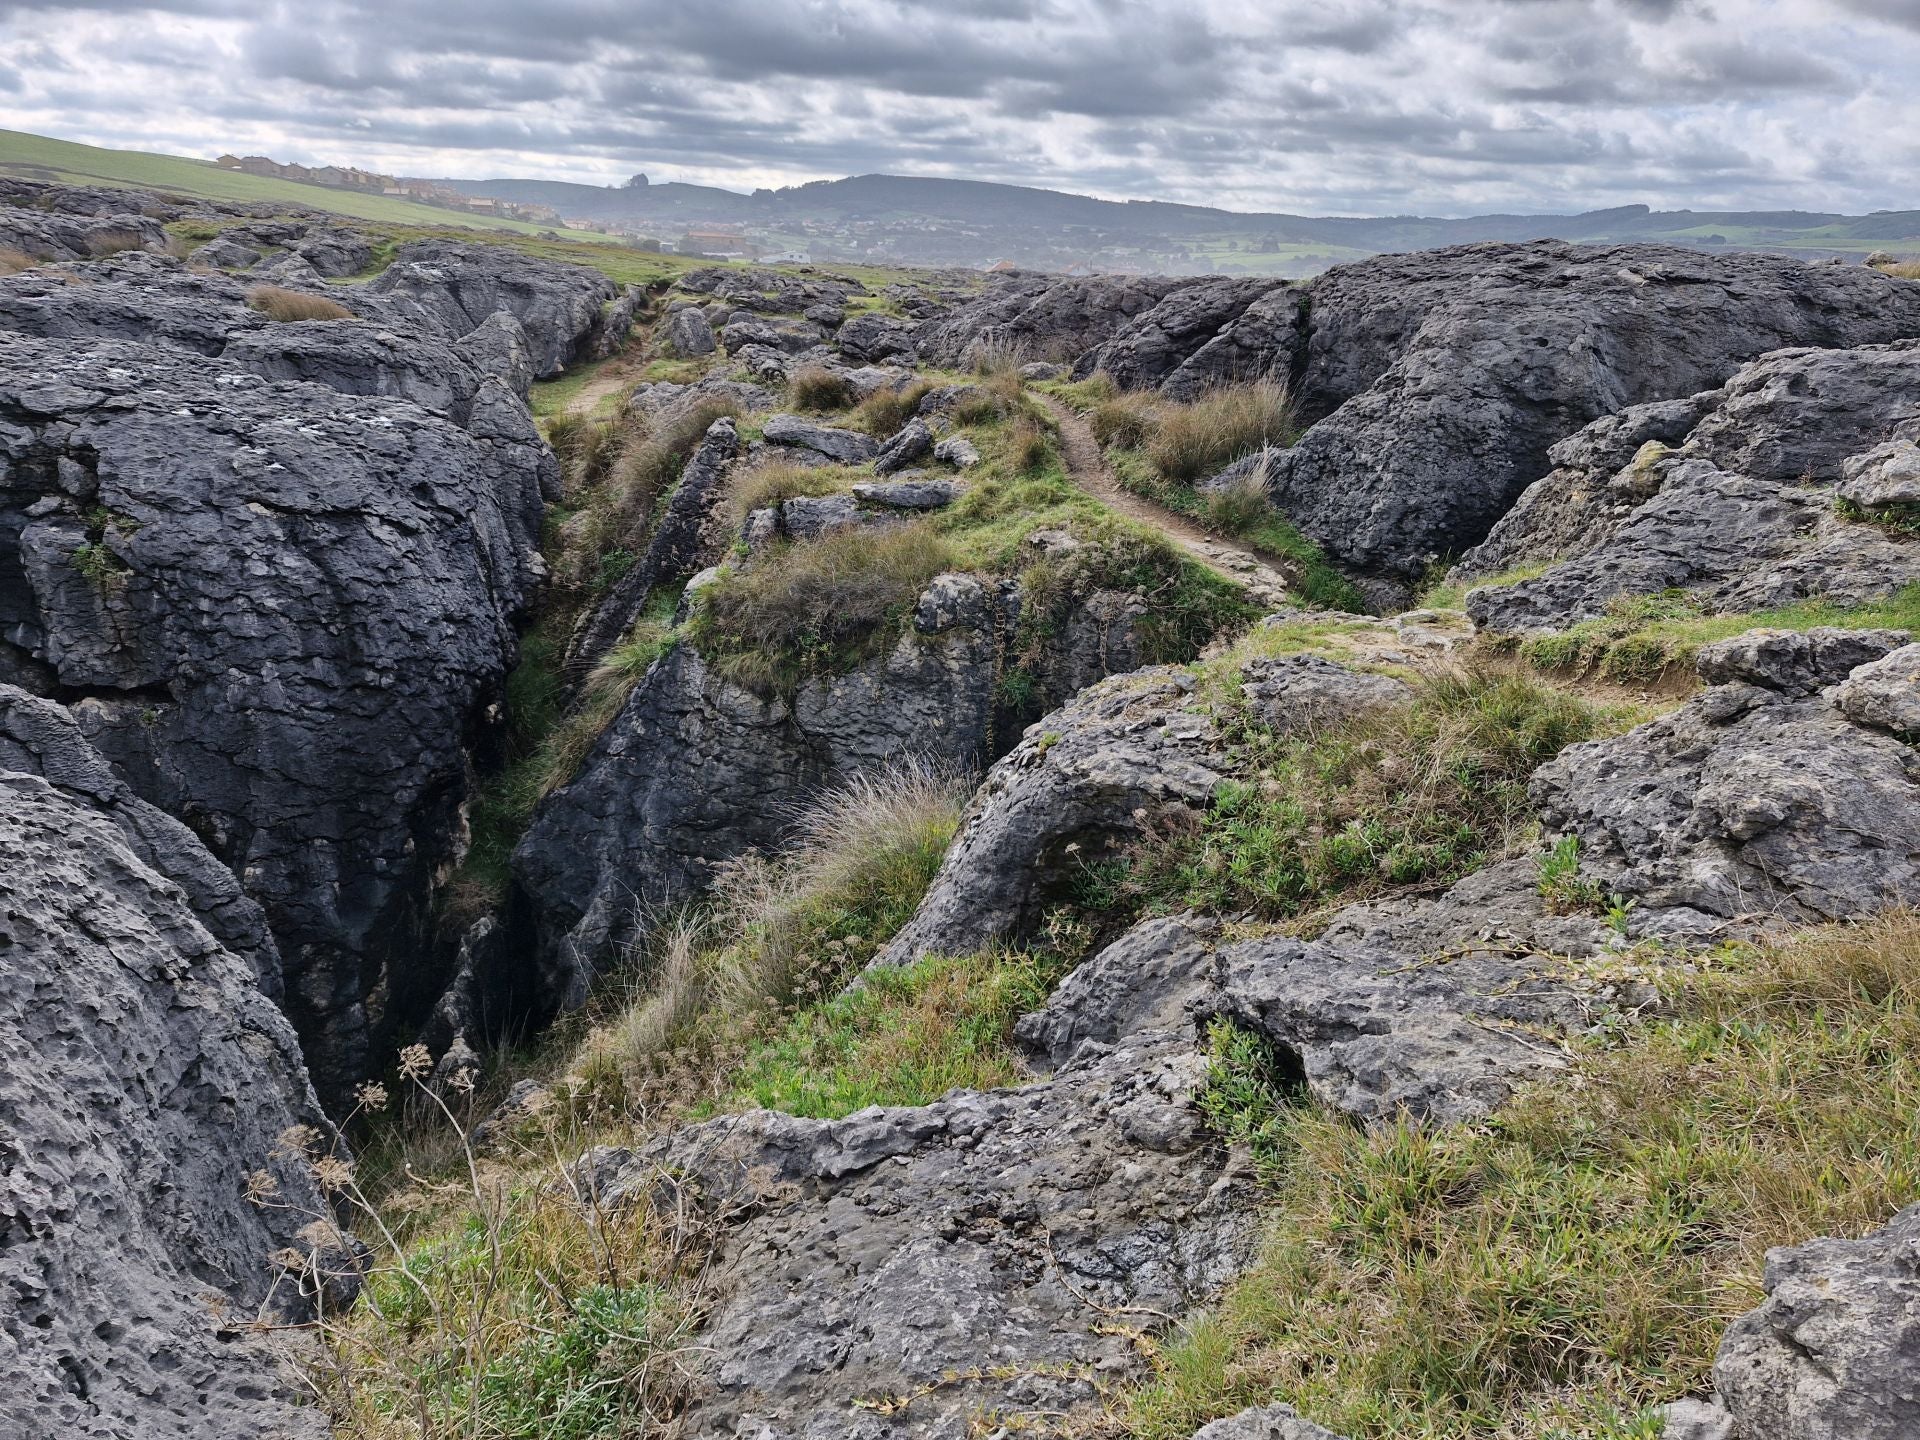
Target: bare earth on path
{"x":1265,"y":583}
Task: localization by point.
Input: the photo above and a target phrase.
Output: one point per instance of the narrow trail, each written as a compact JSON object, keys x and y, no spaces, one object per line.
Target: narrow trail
{"x":611,"y":378}
{"x":1265,"y":583}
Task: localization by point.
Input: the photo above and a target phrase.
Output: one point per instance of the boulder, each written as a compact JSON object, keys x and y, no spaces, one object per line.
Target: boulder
{"x":689,"y":334}
{"x":334,"y":251}
{"x":843,"y":447}
{"x":1439,"y":380}
{"x":1268,"y":1422}
{"x":1047,"y":319}
{"x":147,"y":1078}
{"x":789,"y":336}
{"x":1885,"y":475}
{"x":1884,"y":693}
{"x":1830,"y":1354}
{"x":871,"y":338}
{"x":278,"y":610}
{"x":1728,"y":495}
{"x":449,"y":288}
{"x":905,"y":494}
{"x":1195,"y":337}
{"x":914,"y":442}
{"x":957,"y":451}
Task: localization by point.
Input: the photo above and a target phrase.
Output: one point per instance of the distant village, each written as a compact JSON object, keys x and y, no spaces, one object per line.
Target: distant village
{"x":425,"y":192}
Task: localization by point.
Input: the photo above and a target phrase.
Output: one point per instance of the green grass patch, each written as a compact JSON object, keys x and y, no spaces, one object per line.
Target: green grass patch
{"x":1901,"y":520}
{"x":898,"y":1037}
{"x":1452,"y":595}
{"x":1416,"y":794}
{"x":1569,"y":1265}
{"x":1645,"y":638}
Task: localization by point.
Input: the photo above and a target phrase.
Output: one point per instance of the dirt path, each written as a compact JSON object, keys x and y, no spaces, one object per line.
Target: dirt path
{"x":610,"y":379}
{"x":1266,"y":583}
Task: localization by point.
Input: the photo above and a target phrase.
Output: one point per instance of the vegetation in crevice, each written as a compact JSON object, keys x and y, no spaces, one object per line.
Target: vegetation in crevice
{"x":1648,"y":638}
{"x":278,"y":303}
{"x":1566,"y":1266}
{"x":1412,"y":795}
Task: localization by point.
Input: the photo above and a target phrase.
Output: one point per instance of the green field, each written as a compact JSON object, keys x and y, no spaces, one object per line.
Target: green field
{"x":37,"y":157}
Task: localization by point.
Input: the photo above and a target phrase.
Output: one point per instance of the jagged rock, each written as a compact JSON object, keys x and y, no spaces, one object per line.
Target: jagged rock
{"x":665,"y":402}
{"x":872,"y":379}
{"x":147,"y":298}
{"x":766,"y":364}
{"x":870,"y":338}
{"x":226,"y":253}
{"x":1043,"y":370}
{"x":995,"y":1234}
{"x":451,"y":288}
{"x":1885,"y":693}
{"x":335,"y":252}
{"x":147,"y":1076}
{"x":914,"y":442}
{"x":1170,"y":339}
{"x":1831,"y":1354}
{"x":1794,"y":662}
{"x":1745,"y":802}
{"x":1268,"y":1422}
{"x":790,"y":336}
{"x":1886,"y":475}
{"x":1445,"y":376}
{"x":957,"y":451}
{"x":843,"y":447}
{"x":1049,"y":319}
{"x":1723,"y":494}
{"x":1149,"y":979}
{"x":690,"y":335}
{"x":277,"y":609}
{"x":49,"y":235}
{"x":38,"y":737}
{"x":770,"y":292}
{"x":907,"y":494}
{"x":673,"y":549}
{"x":616,"y":322}
{"x":1296,"y":691}
{"x":1084,"y":776}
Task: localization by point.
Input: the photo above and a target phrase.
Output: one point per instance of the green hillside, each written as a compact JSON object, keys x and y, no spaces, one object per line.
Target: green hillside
{"x":37,"y":157}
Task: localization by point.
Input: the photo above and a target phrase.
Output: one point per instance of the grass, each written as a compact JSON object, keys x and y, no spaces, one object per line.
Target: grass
{"x":816,"y":388}
{"x":277,"y":303}
{"x":883,"y":413}
{"x":898,"y":1037}
{"x":1416,"y":794}
{"x":758,"y":487}
{"x":1646,"y":638}
{"x":42,"y":157}
{"x":1898,"y":519}
{"x":816,"y":606}
{"x":1443,"y":595}
{"x":1567,"y":1266}
{"x":13,"y":261}
{"x":1902,"y":269}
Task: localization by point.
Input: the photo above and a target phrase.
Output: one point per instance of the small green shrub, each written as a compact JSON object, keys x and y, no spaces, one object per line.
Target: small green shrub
{"x":278,"y":303}
{"x":1897,"y":519}
{"x":1561,"y":884}
{"x":1029,"y":445}
{"x":817,"y":606}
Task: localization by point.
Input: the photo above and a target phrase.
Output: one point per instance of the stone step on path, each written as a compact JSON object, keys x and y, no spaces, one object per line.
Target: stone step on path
{"x":1265,"y":583}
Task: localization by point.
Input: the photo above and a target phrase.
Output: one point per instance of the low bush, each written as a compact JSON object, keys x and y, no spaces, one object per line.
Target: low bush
{"x":1570,"y":1264}
{"x":1029,"y":445}
{"x":1419,"y":793}
{"x":817,"y":606}
{"x":815,"y":388}
{"x":278,"y":303}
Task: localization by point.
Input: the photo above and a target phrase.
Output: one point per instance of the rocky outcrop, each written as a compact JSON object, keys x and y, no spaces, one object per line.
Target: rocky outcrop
{"x":79,"y":231}
{"x":1206,"y":333}
{"x":1832,"y":1352}
{"x":842,"y":447}
{"x":689,"y":334}
{"x":872,"y":338}
{"x":148,"y":1077}
{"x":449,"y":289}
{"x":1042,"y":318}
{"x":278,"y":610}
{"x":673,"y":550}
{"x":998,"y":1238}
{"x":1729,"y":495}
{"x":1445,"y":376}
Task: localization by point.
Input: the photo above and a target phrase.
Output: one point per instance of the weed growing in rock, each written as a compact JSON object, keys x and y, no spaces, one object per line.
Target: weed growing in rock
{"x":1567,"y":1265}
{"x":278,"y":303}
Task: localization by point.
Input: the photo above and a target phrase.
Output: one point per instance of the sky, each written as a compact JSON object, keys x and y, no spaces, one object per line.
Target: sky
{"x":1436,"y":107}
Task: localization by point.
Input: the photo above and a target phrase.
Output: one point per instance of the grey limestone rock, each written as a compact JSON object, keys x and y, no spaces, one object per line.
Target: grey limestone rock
{"x":1888,"y":474}
{"x":278,"y":610}
{"x":1045,"y":318}
{"x":690,"y":335}
{"x":1267,"y":1422}
{"x":780,"y":335}
{"x":957,"y":451}
{"x":1885,"y":693}
{"x":1203,"y":333}
{"x":1444,"y":377}
{"x":147,"y":1077}
{"x":871,"y":338}
{"x":843,"y":447}
{"x":914,"y":442}
{"x":1832,"y":1353}
{"x":907,"y":494}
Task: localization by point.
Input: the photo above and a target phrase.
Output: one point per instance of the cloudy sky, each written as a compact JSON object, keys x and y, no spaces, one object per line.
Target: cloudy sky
{"x":1313,"y":106}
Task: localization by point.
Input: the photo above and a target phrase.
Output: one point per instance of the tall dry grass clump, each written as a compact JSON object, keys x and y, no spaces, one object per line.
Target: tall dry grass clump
{"x":884,"y":412}
{"x":13,"y":261}
{"x":102,"y":243}
{"x":996,"y":353}
{"x":816,"y":388}
{"x":1192,"y":441}
{"x":277,"y":303}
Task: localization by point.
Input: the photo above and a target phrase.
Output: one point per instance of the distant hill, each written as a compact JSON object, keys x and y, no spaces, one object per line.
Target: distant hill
{"x":936,"y":221}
